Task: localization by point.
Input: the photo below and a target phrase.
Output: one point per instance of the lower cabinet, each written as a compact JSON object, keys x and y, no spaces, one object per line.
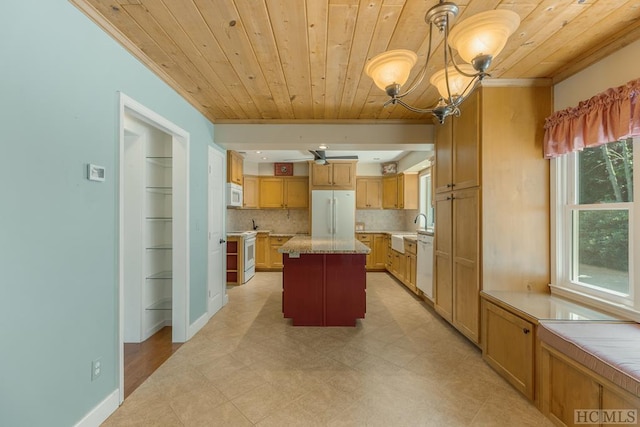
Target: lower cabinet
{"x":376,"y":259}
{"x":262,"y":251}
{"x":410,"y":267}
{"x":324,"y":289}
{"x":403,"y":266}
{"x":275,"y":258}
{"x":508,"y":344}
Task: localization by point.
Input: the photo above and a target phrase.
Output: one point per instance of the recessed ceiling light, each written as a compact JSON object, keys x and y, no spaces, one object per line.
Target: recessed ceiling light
{"x":322,"y":147}
{"x":258,"y":152}
{"x":376,"y":158}
{"x":264,"y":158}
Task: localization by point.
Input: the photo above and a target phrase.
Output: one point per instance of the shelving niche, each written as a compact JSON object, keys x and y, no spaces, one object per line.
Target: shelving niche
{"x":158,"y":239}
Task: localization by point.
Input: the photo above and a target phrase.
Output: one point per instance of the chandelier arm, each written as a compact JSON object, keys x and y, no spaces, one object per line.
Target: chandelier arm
{"x":414,"y":109}
{"x":446,"y":61}
{"x":453,"y":61}
{"x":473,"y":84}
{"x":423,"y":72}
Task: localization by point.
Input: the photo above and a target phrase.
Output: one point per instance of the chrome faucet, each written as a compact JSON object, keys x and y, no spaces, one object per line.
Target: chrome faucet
{"x":415,"y":221}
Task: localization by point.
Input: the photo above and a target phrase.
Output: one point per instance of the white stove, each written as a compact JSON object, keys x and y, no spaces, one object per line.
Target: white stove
{"x":249,"y":239}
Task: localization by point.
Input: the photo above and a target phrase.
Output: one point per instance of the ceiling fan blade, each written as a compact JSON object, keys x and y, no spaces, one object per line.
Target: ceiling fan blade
{"x":342,"y":157}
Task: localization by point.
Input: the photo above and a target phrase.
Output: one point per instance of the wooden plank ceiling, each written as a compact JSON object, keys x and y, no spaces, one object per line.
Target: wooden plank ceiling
{"x":303,"y":60}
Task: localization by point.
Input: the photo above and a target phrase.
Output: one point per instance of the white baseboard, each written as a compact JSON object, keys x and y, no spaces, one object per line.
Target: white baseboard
{"x":197,"y":325}
{"x":101,"y":412}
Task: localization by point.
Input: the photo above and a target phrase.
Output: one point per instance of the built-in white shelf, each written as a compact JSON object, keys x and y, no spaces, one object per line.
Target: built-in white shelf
{"x":160,"y":275}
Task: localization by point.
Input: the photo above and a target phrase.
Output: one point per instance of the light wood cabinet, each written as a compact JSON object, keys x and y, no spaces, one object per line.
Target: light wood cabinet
{"x":262,"y":251}
{"x":508,"y":346}
{"x":379,"y":249}
{"x":234,"y":167}
{"x":250,"y":195}
{"x":490,"y":170}
{"x":457,"y":252}
{"x":337,"y":175}
{"x":400,"y":191}
{"x":376,"y":259}
{"x":284,"y":192}
{"x":275,"y":257}
{"x":368,"y":193}
{"x":397,"y":265}
{"x":457,"y":157}
{"x":410,"y":264}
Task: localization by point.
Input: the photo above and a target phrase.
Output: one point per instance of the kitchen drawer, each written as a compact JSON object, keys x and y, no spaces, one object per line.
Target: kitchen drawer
{"x":279,"y":239}
{"x":364,"y":237}
{"x":410,"y":246}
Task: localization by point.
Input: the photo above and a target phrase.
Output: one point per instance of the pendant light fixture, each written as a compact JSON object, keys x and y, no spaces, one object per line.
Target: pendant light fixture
{"x":477,"y":39}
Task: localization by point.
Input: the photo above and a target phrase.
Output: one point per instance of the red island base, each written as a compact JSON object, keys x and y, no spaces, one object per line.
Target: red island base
{"x":324,"y":289}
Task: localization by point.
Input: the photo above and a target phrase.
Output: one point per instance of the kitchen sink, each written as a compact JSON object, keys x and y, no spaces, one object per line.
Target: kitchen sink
{"x":397,"y":242}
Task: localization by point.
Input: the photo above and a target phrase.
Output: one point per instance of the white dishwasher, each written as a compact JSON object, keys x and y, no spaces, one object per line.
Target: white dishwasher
{"x":424,"y":273}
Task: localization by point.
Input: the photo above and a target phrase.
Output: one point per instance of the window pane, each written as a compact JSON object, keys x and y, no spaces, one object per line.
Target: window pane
{"x":606,"y":173}
{"x":603,"y":249}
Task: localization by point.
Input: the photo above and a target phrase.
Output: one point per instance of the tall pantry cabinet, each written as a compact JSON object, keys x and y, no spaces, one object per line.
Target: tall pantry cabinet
{"x":491,"y":201}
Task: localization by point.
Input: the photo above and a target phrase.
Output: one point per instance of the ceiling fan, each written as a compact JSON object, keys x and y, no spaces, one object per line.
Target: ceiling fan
{"x":320,"y":157}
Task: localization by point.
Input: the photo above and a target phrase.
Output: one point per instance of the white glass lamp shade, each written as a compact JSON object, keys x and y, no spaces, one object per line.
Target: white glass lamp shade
{"x":457,"y":82}
{"x":392,"y":67}
{"x":483,"y":34}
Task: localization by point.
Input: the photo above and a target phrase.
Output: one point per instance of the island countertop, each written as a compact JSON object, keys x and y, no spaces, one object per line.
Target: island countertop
{"x":323,"y":245}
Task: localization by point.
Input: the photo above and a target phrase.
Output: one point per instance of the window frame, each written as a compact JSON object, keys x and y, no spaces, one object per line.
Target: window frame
{"x":564,"y":202}
{"x":427,"y":195}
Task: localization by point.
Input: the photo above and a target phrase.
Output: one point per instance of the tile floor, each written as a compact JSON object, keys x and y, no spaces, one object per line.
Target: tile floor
{"x":401,"y":366}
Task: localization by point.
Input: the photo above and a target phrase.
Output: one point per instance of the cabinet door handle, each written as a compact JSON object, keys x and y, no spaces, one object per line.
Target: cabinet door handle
{"x":222,"y":241}
{"x":449,"y":185}
{"x":525,"y":330}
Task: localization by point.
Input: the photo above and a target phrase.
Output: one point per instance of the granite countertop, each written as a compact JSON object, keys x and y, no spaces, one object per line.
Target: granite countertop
{"x":316,"y":245}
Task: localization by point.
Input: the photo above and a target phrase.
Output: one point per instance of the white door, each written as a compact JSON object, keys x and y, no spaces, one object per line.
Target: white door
{"x":215,"y":276}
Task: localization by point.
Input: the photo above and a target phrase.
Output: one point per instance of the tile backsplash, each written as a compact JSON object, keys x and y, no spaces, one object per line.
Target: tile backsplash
{"x":297,"y":220}
{"x":275,"y":220}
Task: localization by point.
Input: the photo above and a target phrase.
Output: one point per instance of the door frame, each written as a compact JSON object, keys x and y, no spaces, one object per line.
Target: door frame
{"x":181,"y":237}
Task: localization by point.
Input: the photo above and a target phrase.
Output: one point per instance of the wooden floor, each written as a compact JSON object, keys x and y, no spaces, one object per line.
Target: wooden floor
{"x":142,"y":359}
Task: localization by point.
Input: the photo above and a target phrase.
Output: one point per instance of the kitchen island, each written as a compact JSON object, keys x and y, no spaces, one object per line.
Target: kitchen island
{"x":324,"y":281}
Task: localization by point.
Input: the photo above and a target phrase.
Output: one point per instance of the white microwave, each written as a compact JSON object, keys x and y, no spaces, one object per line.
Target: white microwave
{"x":234,"y":195}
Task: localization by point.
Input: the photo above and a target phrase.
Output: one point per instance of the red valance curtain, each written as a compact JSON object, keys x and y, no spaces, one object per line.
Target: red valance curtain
{"x":609,"y":116}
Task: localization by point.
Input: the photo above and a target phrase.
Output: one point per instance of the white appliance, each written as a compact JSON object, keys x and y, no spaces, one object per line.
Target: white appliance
{"x":234,"y":194}
{"x":249,"y":238}
{"x":333,"y":213}
{"x":424,"y":269}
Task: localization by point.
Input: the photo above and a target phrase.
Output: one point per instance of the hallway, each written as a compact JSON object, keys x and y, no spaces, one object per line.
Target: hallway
{"x":402,"y":366}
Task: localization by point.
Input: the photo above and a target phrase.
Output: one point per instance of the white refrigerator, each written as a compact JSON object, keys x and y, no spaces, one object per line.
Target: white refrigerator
{"x":333,"y":213}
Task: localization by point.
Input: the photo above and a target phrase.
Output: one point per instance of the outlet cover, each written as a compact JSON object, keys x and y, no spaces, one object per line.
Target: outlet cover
{"x":96,"y":368}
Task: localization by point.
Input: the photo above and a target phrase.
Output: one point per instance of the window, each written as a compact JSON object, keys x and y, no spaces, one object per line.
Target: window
{"x":425,"y":206}
{"x":597,"y":229}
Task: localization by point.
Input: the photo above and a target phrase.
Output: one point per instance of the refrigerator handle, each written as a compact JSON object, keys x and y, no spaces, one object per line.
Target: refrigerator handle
{"x":335,"y":214}
{"x":329,"y":215}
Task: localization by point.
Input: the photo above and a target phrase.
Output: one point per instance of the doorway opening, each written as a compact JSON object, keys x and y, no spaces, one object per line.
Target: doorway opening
{"x":154,"y":239}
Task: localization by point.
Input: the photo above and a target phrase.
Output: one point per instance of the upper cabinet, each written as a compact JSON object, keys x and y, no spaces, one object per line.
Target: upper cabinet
{"x":250,"y":196}
{"x":400,"y":191}
{"x":337,"y":175}
{"x":458,"y":149}
{"x":284,"y":192}
{"x":369,"y":193}
{"x":234,"y":167}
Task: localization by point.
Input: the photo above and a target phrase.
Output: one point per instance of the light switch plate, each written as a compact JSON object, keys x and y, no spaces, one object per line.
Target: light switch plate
{"x":95,"y":172}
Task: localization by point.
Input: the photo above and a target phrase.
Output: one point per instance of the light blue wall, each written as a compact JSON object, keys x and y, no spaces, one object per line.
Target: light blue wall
{"x":59,"y":82}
